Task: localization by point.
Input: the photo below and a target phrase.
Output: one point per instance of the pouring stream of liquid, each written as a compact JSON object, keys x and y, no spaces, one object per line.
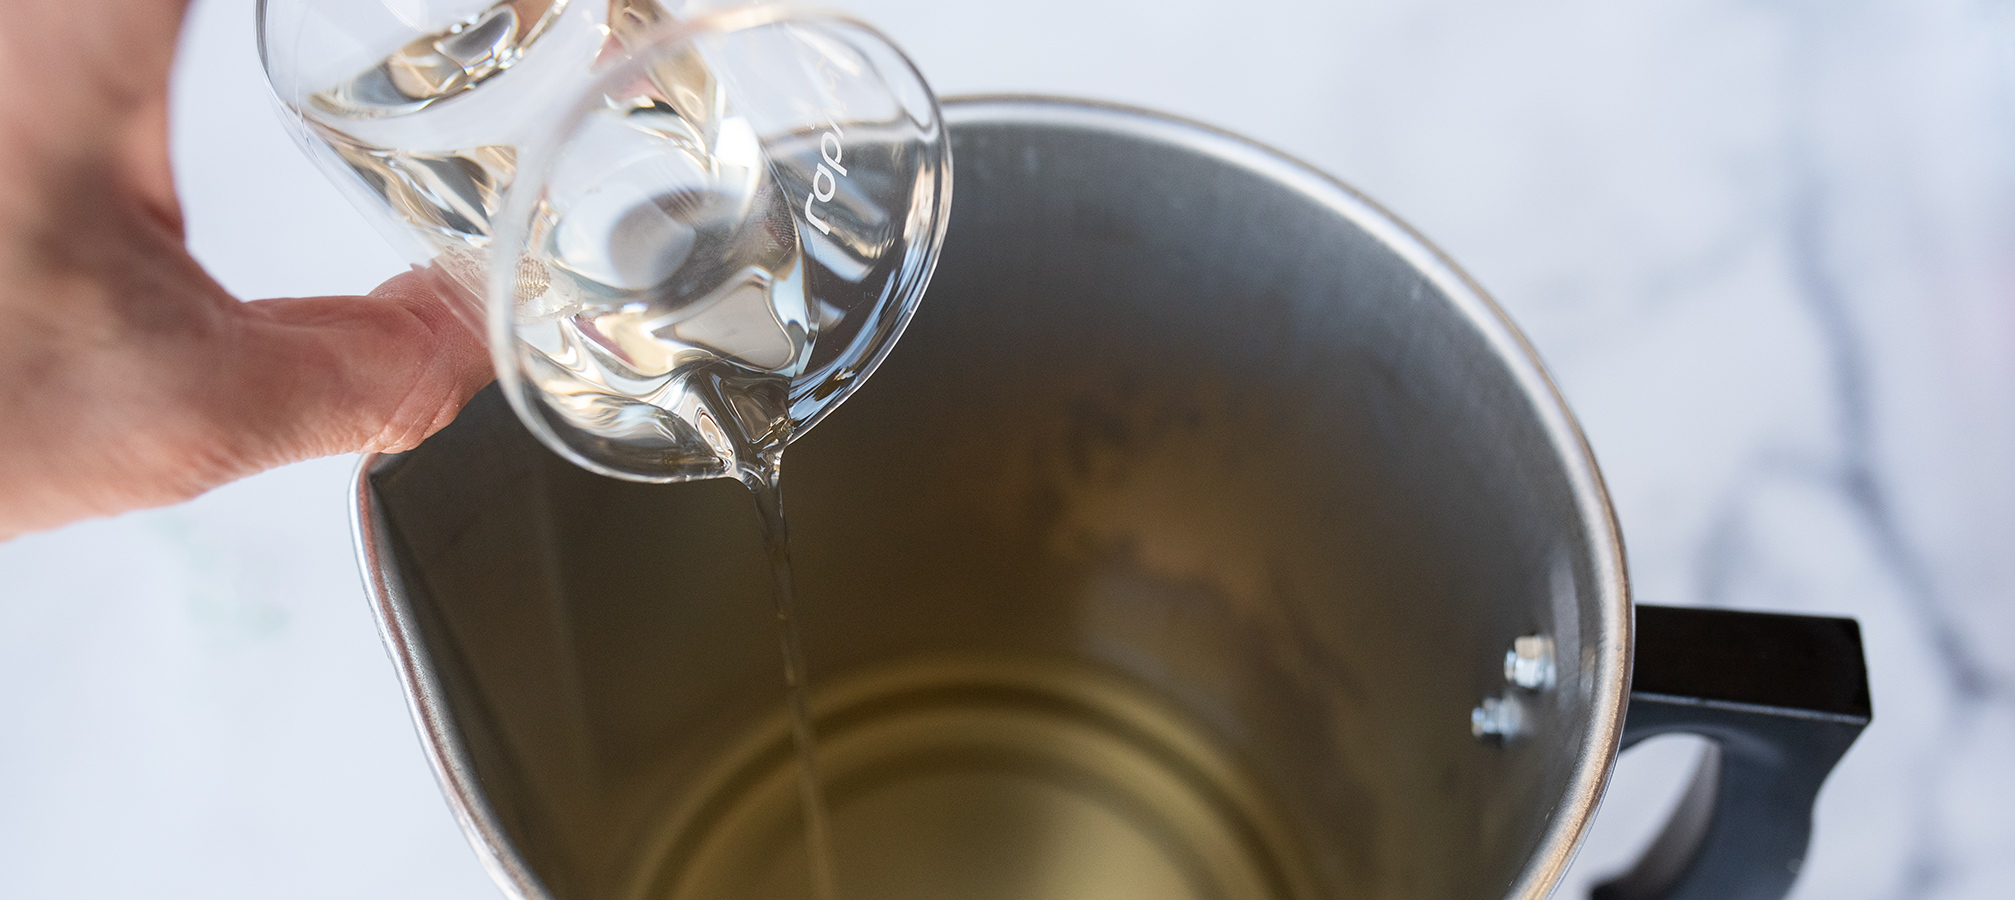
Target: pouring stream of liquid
{"x":765,"y":486}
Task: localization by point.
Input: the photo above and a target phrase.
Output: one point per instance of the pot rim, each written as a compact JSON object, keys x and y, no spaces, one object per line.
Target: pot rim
{"x":1612,"y":651}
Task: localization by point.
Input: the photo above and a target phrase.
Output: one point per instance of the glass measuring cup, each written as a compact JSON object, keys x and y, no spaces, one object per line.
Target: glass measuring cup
{"x":686,"y":237}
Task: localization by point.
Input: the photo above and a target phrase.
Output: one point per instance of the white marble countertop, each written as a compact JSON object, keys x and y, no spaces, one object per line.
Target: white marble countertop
{"x":1767,"y":249}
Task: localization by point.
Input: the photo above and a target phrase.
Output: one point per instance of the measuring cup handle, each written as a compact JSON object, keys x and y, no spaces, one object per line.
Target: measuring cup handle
{"x":1779,"y":698}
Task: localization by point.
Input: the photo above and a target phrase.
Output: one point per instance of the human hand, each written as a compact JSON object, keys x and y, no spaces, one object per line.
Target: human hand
{"x":128,"y":377}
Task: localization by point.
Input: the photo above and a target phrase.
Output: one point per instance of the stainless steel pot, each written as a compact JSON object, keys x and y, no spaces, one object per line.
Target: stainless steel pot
{"x":1208,"y":535}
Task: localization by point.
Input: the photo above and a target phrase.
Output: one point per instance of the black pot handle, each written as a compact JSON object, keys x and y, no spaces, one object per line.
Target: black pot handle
{"x":1779,"y":698}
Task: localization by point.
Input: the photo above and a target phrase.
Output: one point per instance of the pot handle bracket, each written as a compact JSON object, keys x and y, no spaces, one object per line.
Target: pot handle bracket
{"x":1779,"y":698}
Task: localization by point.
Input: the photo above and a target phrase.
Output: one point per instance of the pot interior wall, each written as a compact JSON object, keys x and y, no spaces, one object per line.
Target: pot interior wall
{"x":1164,"y":421}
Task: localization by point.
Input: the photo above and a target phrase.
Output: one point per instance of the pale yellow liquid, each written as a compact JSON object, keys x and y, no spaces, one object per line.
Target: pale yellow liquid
{"x":981,"y":778}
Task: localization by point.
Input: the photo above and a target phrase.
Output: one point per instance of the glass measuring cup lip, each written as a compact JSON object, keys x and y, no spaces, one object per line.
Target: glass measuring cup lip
{"x":828,"y":385}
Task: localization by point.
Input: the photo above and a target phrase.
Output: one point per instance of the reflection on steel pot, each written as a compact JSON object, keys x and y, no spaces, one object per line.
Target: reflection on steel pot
{"x":1209,"y":536}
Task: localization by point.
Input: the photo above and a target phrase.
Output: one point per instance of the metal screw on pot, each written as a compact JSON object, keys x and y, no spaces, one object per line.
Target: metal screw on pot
{"x":1498,"y":720}
{"x":1529,"y":662}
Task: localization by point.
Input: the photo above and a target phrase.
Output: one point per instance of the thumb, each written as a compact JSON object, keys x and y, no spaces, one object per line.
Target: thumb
{"x":316,"y":376}
{"x":143,"y":412}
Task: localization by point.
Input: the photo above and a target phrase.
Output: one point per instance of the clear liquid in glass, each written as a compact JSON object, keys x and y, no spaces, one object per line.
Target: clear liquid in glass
{"x":661,"y":297}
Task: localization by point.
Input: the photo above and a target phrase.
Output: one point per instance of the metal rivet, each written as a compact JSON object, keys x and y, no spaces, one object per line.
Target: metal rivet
{"x":1499,"y":718}
{"x":1529,"y":662}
